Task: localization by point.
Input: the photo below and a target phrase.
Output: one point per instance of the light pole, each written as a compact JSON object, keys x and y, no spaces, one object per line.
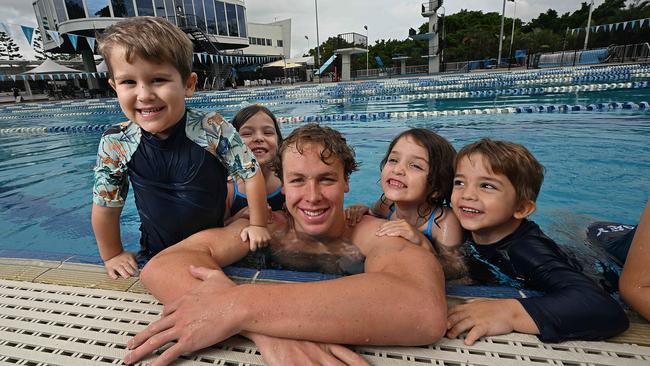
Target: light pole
{"x":367,"y":49}
{"x":317,"y":37}
{"x":591,"y":9}
{"x":512,"y":33}
{"x":503,"y":12}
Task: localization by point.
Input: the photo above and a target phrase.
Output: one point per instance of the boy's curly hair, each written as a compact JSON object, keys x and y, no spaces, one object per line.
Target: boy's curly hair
{"x":333,"y":143}
{"x":151,"y":38}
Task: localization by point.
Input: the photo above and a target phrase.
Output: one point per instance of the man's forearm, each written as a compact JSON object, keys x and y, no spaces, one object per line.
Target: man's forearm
{"x":370,"y":308}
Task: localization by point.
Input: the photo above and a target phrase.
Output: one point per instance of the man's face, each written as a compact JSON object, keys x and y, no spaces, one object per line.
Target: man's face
{"x":314,"y":191}
{"x":152,"y":95}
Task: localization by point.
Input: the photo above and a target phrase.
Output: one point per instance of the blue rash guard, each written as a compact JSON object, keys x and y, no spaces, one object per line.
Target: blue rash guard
{"x":573,"y":306}
{"x":179,"y":183}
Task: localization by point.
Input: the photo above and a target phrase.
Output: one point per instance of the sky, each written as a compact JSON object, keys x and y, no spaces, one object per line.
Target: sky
{"x":386,"y":19}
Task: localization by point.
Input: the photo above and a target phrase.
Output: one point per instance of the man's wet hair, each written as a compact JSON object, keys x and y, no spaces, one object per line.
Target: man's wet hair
{"x":334,"y":146}
{"x":151,"y":38}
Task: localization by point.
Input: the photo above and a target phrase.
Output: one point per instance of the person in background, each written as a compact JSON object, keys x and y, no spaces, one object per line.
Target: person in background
{"x":495,"y":189}
{"x":177,"y":159}
{"x":634,"y":283}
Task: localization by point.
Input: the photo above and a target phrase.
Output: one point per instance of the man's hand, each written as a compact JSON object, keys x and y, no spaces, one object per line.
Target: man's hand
{"x":195,"y":321}
{"x":485,"y":318}
{"x":287,"y":352}
{"x":122,"y":265}
{"x":354,"y":213}
{"x":257,"y":236}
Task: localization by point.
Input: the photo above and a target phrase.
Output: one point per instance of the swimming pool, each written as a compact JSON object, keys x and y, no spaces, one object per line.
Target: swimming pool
{"x":596,"y":154}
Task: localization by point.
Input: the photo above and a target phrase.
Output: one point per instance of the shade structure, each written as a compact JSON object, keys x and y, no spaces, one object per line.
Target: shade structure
{"x":50,"y":67}
{"x":283,"y":64}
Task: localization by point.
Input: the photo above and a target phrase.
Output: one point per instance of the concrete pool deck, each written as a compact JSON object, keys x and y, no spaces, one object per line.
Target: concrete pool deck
{"x":60,"y":313}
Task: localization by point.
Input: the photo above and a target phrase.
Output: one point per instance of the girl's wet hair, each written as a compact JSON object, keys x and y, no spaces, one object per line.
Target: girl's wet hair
{"x":440,"y":178}
{"x":247,"y":113}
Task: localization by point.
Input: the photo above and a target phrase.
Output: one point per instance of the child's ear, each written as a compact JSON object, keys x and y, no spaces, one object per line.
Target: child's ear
{"x":111,"y":82}
{"x":190,"y":84}
{"x":525,"y":209}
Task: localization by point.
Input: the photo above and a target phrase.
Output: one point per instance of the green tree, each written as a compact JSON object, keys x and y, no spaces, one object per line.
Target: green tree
{"x":9,"y":50}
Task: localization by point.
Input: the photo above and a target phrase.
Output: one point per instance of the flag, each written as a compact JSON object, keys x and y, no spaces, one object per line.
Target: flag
{"x":55,"y":36}
{"x":29,"y":33}
{"x":91,"y":43}
{"x":73,"y":39}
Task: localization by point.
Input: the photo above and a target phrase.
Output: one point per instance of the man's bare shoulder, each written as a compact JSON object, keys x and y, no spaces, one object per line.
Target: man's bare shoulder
{"x":364,"y":236}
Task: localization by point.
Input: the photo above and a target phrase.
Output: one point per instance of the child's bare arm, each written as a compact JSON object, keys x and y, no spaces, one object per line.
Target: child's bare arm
{"x":106,"y":225}
{"x":488,"y":317}
{"x":256,"y":233}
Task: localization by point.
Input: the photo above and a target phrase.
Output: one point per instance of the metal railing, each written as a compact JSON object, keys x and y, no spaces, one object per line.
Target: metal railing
{"x":351,"y":40}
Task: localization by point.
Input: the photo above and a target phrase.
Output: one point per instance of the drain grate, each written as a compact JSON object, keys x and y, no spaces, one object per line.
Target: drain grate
{"x":44,"y":324}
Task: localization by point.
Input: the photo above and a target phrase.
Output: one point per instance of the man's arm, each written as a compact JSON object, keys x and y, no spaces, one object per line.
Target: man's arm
{"x":635,"y":280}
{"x":399,"y":300}
{"x":167,"y":275}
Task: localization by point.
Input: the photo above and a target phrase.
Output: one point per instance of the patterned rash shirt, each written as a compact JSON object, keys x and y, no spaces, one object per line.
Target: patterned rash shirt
{"x":179,"y":183}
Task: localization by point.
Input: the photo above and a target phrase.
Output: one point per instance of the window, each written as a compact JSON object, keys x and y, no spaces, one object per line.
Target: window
{"x":160,"y":8}
{"x":200,"y":17}
{"x":222,"y":25}
{"x":269,"y":42}
{"x":169,"y":4}
{"x":145,"y":7}
{"x":241,"y":18}
{"x":189,"y":8}
{"x":59,"y":6}
{"x":280,"y":43}
{"x":231,"y":13}
{"x":97,"y":8}
{"x":75,"y":9}
{"x":210,"y":17}
{"x":122,"y":8}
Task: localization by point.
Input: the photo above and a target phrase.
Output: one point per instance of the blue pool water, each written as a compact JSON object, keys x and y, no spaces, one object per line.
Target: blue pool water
{"x":598,"y":162}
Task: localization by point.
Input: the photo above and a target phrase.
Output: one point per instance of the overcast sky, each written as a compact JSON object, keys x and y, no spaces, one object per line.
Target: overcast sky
{"x":386,"y":19}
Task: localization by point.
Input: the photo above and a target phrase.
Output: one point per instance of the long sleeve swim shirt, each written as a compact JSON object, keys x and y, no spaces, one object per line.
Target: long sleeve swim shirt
{"x":572,"y":306}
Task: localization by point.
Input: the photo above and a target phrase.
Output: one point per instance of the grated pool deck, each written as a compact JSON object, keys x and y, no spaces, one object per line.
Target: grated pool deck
{"x":58,"y":313}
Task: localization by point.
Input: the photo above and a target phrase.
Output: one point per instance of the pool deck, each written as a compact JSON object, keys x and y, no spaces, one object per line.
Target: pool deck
{"x":59,"y":313}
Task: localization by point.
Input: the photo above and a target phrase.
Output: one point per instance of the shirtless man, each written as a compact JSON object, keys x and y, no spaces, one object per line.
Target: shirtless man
{"x":398,"y":299}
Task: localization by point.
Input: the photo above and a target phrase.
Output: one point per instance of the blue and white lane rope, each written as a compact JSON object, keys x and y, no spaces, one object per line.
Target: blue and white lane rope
{"x":556,"y":108}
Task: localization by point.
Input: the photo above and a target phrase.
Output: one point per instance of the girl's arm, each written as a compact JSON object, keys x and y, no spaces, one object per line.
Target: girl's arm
{"x":635,"y":280}
{"x":256,"y":233}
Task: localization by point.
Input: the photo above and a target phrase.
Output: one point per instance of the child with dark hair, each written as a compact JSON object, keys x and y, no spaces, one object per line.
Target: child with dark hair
{"x":416,"y":179}
{"x":260,"y":131}
{"x":495,"y":189}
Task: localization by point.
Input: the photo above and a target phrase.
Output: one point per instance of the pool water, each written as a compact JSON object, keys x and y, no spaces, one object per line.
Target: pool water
{"x":597,"y":163}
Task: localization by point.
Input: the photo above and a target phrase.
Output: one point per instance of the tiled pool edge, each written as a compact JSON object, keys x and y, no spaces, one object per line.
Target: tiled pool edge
{"x":66,"y":273}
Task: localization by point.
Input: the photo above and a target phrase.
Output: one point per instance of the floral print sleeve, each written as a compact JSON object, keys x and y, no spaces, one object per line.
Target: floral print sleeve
{"x":116,"y":147}
{"x":222,"y":140}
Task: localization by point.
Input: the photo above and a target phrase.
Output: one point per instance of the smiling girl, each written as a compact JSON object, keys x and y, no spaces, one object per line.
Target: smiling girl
{"x":416,"y":178}
{"x":260,"y":131}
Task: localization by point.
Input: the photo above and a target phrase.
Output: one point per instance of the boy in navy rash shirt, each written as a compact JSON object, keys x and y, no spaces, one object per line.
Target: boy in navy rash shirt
{"x":495,"y":188}
{"x":176,"y":159}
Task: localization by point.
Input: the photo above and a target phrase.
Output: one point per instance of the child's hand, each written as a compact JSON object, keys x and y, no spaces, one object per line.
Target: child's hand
{"x":488,"y":317}
{"x":122,"y":265}
{"x":257,"y":236}
{"x":403,"y":229}
{"x":354,"y":213}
